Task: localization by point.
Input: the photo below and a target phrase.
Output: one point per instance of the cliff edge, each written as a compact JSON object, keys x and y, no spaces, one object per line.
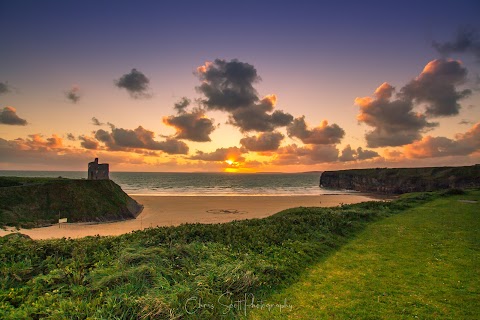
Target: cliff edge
{"x":402,"y":180}
{"x":34,"y":202}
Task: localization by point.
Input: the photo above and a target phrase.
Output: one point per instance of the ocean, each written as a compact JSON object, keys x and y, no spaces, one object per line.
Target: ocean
{"x":202,"y":184}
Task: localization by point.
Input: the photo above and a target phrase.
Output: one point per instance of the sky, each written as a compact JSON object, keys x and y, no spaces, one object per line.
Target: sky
{"x":251,"y":86}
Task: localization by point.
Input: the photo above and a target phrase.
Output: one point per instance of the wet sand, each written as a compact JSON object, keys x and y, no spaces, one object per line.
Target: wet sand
{"x":176,"y":210}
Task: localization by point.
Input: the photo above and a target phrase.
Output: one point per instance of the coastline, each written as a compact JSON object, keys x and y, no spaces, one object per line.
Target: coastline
{"x":175,"y":210}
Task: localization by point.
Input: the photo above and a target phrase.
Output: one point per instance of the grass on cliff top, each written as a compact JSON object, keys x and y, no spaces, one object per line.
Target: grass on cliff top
{"x":193,"y":271}
{"x":21,"y":181}
{"x":34,"y":202}
{"x":423,"y":263}
{"x":429,"y":173}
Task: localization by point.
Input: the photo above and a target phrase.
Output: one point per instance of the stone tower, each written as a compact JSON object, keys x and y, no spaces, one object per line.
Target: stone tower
{"x":98,"y":171}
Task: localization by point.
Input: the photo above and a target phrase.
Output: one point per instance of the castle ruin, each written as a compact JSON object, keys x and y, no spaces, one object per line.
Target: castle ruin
{"x":98,"y":171}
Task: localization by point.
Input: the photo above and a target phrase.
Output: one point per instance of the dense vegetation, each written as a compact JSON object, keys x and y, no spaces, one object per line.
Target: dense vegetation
{"x":33,"y":202}
{"x":402,"y":180}
{"x":192,"y":271}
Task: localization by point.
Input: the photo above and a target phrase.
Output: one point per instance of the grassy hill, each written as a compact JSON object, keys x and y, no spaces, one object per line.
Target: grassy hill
{"x":192,"y":271}
{"x":32,"y":202}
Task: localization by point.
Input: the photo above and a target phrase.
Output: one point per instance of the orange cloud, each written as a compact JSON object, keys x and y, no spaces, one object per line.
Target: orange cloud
{"x":233,"y":154}
{"x":393,"y":154}
{"x":362,"y":102}
{"x":473,"y":134}
{"x":434,"y":65}
{"x":37,"y":142}
{"x":203,"y":69}
{"x":38,"y":153}
{"x":384,"y":91}
{"x":270,"y":99}
{"x":430,"y":147}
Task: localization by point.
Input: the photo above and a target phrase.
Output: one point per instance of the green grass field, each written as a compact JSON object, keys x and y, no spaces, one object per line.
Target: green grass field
{"x":423,"y":263}
{"x":414,"y":256}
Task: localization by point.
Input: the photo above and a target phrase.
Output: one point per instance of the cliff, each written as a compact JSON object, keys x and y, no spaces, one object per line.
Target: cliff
{"x":33,"y":202}
{"x":402,"y":180}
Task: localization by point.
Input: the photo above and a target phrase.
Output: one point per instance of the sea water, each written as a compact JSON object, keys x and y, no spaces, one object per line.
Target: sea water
{"x":202,"y":183}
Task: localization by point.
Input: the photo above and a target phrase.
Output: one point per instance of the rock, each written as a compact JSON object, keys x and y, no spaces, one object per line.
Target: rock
{"x":402,"y":180}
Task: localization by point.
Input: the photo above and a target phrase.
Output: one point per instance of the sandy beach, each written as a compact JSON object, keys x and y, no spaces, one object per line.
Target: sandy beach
{"x":176,"y":210}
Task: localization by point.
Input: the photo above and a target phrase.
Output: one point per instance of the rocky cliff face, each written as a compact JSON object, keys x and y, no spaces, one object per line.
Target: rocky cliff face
{"x":397,"y":181}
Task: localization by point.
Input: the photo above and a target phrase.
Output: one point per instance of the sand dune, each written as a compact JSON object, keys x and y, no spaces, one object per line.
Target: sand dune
{"x":176,"y":210}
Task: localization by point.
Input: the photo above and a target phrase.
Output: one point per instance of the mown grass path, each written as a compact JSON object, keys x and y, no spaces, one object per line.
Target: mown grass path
{"x":423,"y":263}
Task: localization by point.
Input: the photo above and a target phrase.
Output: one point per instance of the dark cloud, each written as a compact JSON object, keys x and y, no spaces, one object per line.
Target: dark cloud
{"x":97,"y":122}
{"x":436,"y":86}
{"x":324,"y":134}
{"x":172,"y":146}
{"x":466,"y":40}
{"x":349,"y":154}
{"x":429,"y":147}
{"x":309,"y":155}
{"x":193,"y":126}
{"x":394,"y":121}
{"x":105,"y":137}
{"x":9,"y":116}
{"x":181,"y":105}
{"x":136,"y":83}
{"x":71,"y":137}
{"x":321,"y":153}
{"x":366,"y":154}
{"x":4,"y":88}
{"x":228,"y":85}
{"x":259,"y":117}
{"x":89,"y":143}
{"x":221,"y":154}
{"x":73,"y":95}
{"x":140,"y":138}
{"x":268,"y":141}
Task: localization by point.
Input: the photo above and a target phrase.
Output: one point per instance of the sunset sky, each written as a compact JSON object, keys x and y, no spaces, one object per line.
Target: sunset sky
{"x":245,"y":86}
